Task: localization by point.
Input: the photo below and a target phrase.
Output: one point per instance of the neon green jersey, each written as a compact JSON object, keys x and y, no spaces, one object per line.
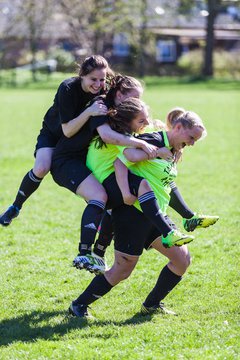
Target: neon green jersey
{"x":100,"y":161}
{"x":158,"y":172}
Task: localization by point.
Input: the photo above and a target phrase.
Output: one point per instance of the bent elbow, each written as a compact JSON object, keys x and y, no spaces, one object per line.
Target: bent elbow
{"x":66,"y":131}
{"x":105,"y":138}
{"x":67,"y":134}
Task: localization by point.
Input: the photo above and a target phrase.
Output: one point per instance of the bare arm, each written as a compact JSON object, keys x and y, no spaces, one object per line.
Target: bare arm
{"x":73,"y":126}
{"x":110,"y":136}
{"x":136,"y":155}
{"x":121,"y":172}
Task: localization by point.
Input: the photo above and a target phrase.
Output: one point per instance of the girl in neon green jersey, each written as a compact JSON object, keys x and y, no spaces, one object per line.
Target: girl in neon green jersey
{"x":133,"y":232}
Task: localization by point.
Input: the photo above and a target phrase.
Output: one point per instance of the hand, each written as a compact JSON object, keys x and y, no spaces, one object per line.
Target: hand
{"x":129,"y":199}
{"x":178,"y":155}
{"x":165,"y":154}
{"x":149,"y":149}
{"x":97,"y":108}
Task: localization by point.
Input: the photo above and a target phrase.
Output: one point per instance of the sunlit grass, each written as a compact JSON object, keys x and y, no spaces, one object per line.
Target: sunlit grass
{"x":37,"y":282}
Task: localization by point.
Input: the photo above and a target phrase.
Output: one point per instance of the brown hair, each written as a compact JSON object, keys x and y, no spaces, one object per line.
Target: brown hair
{"x":120,"y":117}
{"x":95,"y":62}
{"x":124,"y":84}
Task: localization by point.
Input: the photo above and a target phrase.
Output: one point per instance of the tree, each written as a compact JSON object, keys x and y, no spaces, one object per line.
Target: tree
{"x":213,"y":8}
{"x":30,"y":21}
{"x":93,"y":23}
{"x":143,"y":37}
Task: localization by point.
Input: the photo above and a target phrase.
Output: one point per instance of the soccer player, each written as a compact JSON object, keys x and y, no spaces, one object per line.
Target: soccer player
{"x":133,"y":231}
{"x":70,"y":171}
{"x":129,"y":117}
{"x":131,"y":113}
{"x":67,"y":116}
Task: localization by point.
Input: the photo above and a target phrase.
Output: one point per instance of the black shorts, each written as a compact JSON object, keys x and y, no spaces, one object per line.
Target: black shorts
{"x":133,"y":231}
{"x":114,"y":194}
{"x":69,"y":173}
{"x":45,"y":139}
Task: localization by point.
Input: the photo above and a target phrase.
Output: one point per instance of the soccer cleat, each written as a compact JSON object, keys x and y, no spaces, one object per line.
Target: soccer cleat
{"x":79,"y":310}
{"x":156,"y":309}
{"x":176,"y":238}
{"x":199,"y":221}
{"x":92,"y":263}
{"x":7,"y":217}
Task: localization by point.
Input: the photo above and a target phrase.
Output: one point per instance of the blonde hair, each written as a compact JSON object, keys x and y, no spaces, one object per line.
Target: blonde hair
{"x":188,"y":119}
{"x":158,"y":125}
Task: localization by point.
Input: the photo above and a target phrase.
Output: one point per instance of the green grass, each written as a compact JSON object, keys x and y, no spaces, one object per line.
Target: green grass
{"x":37,"y":282}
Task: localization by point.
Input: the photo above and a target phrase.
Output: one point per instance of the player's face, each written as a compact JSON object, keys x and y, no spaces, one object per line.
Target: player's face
{"x":133,"y":93}
{"x":186,"y":137}
{"x":94,"y":81}
{"x":140,"y":122}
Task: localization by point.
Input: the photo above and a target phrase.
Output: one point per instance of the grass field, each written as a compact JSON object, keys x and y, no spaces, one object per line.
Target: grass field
{"x":37,"y":282}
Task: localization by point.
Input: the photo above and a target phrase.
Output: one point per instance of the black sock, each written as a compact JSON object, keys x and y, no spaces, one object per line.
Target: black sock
{"x":166,"y":282}
{"x":105,"y":235}
{"x":96,"y":289}
{"x":178,"y":204}
{"x":91,"y":219}
{"x":151,"y":210}
{"x":29,"y":184}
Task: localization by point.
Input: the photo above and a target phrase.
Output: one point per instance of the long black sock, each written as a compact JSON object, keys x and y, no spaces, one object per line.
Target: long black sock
{"x":91,"y":219}
{"x":178,"y":204}
{"x":167,"y":280}
{"x":96,"y":289}
{"x":105,"y":235}
{"x":29,"y":184}
{"x":151,"y":210}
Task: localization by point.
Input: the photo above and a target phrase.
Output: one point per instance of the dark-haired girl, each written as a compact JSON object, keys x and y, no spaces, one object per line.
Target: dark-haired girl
{"x":67,"y":116}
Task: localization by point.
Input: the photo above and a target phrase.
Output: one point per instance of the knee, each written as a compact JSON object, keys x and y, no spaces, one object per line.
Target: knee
{"x":101,"y":195}
{"x":125,"y":274}
{"x":40,"y":170}
{"x":104,"y":196}
{"x":185,"y":262}
{"x":119,"y":272}
{"x":115,"y":277}
{"x":144,"y":186}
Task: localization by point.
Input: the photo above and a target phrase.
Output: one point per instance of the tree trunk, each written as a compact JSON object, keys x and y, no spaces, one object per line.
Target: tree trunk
{"x":143,"y":39}
{"x":33,"y":49}
{"x":207,"y":70}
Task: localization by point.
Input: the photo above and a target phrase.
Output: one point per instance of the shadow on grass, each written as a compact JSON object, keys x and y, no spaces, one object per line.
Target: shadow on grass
{"x":45,"y":325}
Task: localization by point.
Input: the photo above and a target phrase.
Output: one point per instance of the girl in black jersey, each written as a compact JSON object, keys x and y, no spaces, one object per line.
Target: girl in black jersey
{"x":67,"y":116}
{"x":69,"y":164}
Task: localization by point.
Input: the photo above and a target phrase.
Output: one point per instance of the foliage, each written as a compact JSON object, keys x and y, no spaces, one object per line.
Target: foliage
{"x":65,"y":59}
{"x":37,"y":281}
{"x":226,"y":64}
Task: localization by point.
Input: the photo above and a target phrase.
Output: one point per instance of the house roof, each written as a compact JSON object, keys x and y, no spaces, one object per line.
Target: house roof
{"x":197,"y":34}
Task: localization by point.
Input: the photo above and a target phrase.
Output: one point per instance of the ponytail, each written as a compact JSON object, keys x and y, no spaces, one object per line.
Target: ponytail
{"x":188,"y":119}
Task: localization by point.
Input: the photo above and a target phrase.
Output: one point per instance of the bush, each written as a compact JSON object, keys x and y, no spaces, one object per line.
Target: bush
{"x":65,"y":60}
{"x":225,"y":64}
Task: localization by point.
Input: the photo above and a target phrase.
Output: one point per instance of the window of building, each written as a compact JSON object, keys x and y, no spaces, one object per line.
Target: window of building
{"x":166,"y":51}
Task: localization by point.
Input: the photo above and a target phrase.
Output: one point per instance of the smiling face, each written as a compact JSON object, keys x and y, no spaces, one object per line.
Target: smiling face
{"x":139,"y":123}
{"x":94,"y":81}
{"x":182,"y":137}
